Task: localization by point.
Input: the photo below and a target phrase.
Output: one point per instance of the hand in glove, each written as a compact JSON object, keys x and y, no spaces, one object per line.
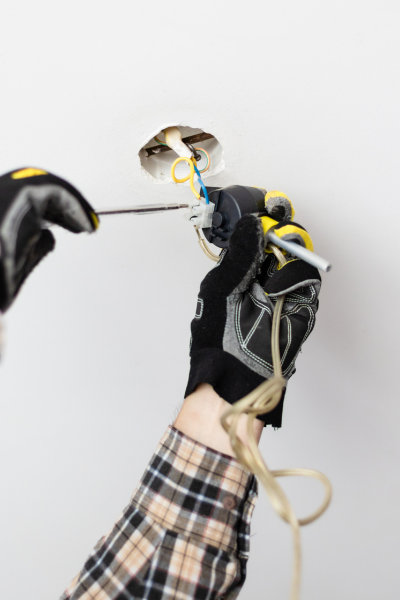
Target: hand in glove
{"x":28,"y":199}
{"x":231,"y":331}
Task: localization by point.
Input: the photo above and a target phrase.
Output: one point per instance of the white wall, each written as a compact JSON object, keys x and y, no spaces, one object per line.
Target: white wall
{"x":304,"y":97}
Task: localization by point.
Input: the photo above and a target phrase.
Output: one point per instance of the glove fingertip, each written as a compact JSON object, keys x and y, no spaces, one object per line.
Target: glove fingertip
{"x":247,"y":240}
{"x":9,"y":289}
{"x":244,"y":256}
{"x":240,"y":263}
{"x":95,"y":220}
{"x":46,"y":243}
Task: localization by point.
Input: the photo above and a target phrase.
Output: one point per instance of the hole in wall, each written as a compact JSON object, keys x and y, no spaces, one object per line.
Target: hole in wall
{"x":157,"y":165}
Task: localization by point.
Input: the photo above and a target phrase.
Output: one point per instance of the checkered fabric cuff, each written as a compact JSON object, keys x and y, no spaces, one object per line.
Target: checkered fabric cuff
{"x":185,"y":533}
{"x":194,"y":490}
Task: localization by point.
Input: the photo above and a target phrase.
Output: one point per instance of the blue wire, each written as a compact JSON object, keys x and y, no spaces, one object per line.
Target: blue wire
{"x":201,"y":183}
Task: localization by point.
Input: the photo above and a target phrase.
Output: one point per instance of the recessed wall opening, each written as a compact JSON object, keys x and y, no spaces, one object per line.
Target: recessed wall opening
{"x":156,"y":159}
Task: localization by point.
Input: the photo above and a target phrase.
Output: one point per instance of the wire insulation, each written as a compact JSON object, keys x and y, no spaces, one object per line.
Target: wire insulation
{"x":160,"y":142}
{"x":202,"y":184}
{"x":193,"y":169}
{"x":191,"y":163}
{"x":205,"y":248}
{"x":207,"y":157}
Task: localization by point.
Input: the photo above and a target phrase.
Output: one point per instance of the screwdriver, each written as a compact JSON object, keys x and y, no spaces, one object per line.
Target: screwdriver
{"x":145,"y":209}
{"x":291,"y":247}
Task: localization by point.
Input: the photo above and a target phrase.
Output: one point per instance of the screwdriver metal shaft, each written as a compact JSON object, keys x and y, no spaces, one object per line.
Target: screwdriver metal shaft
{"x":145,"y":209}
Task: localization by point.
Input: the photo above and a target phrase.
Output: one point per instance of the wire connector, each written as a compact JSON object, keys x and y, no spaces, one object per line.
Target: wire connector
{"x":200,"y":213}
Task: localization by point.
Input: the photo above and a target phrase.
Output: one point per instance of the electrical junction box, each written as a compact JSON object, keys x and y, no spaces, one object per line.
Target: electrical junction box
{"x":157,"y":166}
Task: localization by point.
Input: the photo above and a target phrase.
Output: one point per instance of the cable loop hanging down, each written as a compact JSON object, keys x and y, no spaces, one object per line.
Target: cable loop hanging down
{"x":260,"y":401}
{"x":205,"y":248}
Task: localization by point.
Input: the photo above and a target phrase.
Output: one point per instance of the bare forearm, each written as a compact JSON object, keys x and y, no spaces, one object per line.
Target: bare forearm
{"x":199,"y":419}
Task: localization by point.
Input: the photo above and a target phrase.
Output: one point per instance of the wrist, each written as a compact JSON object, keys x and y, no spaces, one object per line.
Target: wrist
{"x":200,"y":419}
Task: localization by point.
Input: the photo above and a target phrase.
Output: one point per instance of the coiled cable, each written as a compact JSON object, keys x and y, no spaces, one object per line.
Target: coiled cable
{"x":260,"y":401}
{"x":193,"y":169}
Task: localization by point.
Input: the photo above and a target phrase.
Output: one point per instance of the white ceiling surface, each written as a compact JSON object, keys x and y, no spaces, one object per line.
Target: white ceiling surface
{"x":304,"y":97}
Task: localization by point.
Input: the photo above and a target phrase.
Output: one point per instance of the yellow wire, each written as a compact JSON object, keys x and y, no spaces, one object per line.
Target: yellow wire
{"x":190,"y":176}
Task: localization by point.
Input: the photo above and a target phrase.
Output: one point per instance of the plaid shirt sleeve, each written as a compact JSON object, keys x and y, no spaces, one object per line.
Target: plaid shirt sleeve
{"x":184,"y":534}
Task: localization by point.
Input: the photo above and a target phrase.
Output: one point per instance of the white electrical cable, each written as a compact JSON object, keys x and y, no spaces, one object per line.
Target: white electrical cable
{"x":173,"y":138}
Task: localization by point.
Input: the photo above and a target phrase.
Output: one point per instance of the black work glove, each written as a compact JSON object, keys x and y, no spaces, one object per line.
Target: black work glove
{"x":231,"y":331}
{"x":30,"y":198}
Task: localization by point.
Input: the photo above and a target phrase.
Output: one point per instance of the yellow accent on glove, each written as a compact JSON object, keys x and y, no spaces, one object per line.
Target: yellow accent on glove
{"x":30,"y":172}
{"x":267,"y":223}
{"x":277,"y":198}
{"x":96,"y":221}
{"x":290,"y":232}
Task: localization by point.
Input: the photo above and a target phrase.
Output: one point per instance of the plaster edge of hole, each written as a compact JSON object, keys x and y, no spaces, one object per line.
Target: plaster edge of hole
{"x":157,"y":168}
